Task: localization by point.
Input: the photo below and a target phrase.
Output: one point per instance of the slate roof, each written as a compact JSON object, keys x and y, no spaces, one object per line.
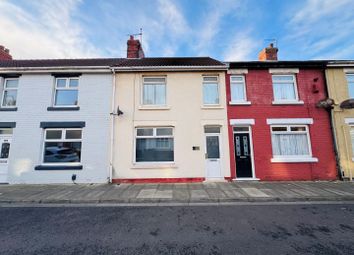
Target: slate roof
{"x":117,"y":62}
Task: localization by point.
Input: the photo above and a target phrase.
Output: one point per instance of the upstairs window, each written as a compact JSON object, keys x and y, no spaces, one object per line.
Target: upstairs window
{"x":284,"y":88}
{"x":154,"y":91}
{"x":238,"y":88}
{"x":211,"y":90}
{"x":9,"y":97}
{"x":350,"y":79}
{"x":66,"y":91}
{"x":154,"y":145}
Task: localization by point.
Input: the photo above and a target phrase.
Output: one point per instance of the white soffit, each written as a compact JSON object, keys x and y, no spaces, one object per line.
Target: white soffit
{"x":237,"y":71}
{"x":283,"y":70}
{"x":290,"y":121}
{"x":234,"y":122}
{"x":349,"y":121}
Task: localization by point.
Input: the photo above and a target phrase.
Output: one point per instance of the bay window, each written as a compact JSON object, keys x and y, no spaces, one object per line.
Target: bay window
{"x":154,"y":144}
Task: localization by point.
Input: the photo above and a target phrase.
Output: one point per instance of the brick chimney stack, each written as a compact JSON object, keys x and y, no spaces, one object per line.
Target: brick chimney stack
{"x":5,"y":53}
{"x":268,"y":53}
{"x":134,"y":49}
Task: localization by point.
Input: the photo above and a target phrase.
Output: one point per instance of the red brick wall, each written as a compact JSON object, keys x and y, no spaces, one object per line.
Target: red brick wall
{"x":260,"y":93}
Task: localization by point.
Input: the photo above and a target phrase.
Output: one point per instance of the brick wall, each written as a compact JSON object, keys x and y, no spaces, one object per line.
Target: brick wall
{"x":260,"y":93}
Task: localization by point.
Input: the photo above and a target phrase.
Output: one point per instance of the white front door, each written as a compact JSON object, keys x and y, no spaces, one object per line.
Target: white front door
{"x":212,"y":156}
{"x":5,"y":144}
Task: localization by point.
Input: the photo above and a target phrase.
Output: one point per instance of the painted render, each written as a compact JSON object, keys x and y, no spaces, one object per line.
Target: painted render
{"x":184,"y":112}
{"x":338,"y":91}
{"x":35,"y":94}
{"x":260,"y":95}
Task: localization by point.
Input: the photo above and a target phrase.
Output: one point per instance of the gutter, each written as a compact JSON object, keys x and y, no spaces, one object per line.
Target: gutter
{"x":103,"y":69}
{"x":111,"y":158}
{"x":169,"y":68}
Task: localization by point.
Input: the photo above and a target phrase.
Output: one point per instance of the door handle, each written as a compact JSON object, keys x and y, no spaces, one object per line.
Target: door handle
{"x":243,"y":157}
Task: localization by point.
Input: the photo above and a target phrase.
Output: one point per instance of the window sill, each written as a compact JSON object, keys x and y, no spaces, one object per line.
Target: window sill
{"x":154,"y":108}
{"x":9,"y":109}
{"x":58,"y":167}
{"x":69,"y":108}
{"x":287,"y":102}
{"x":153,"y":165}
{"x":353,"y":159}
{"x":293,"y":160}
{"x":240,"y":103}
{"x":212,"y":107}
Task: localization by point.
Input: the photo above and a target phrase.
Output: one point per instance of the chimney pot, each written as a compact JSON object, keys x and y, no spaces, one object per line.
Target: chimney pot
{"x":268,"y":53}
{"x":134,"y":48}
{"x":5,"y":53}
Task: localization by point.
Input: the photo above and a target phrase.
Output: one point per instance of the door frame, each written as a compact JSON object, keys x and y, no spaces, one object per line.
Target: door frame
{"x":249,"y":132}
{"x":10,"y":137}
{"x":220,"y":152}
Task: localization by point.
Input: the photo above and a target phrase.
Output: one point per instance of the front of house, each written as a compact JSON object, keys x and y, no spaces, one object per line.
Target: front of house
{"x":54,"y":120}
{"x":276,"y":131}
{"x":173,"y":125}
{"x":340,"y":81}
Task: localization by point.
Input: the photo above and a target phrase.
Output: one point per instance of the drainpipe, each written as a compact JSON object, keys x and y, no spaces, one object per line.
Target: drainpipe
{"x":112,"y":125}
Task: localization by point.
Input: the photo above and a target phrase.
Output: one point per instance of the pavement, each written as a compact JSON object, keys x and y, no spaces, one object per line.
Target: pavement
{"x":180,"y":194}
{"x":300,"y":229}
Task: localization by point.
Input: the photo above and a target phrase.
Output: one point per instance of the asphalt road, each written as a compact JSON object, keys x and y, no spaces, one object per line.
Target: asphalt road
{"x":232,"y":229}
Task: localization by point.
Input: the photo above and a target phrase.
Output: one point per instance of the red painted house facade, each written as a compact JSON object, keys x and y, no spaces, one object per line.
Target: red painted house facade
{"x":276,"y":130}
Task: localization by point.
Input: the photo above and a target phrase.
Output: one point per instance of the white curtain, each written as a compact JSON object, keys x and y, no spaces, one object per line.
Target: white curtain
{"x":154,"y":94}
{"x":290,"y":144}
{"x":237,"y":92}
{"x":284,"y":91}
{"x":210,"y":93}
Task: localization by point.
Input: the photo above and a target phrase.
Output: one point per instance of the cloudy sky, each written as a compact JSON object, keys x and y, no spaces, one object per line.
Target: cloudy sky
{"x":224,"y":29}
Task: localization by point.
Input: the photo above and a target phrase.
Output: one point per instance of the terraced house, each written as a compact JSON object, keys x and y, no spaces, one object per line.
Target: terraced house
{"x":277,"y":129}
{"x":340,"y":81}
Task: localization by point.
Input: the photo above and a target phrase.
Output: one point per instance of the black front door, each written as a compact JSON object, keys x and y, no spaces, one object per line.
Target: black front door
{"x":243,"y":155}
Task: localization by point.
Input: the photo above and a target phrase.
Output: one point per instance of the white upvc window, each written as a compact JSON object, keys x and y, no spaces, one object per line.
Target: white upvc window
{"x":238,"y":89}
{"x":66,"y":91}
{"x":350,"y":80}
{"x":62,"y":146}
{"x":9,"y":95}
{"x":291,"y":142}
{"x":154,"y":91}
{"x":211,"y":90}
{"x":154,"y":145}
{"x":285,"y":88}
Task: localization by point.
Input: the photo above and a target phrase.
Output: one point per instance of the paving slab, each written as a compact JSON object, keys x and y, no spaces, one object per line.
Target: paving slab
{"x":253,"y":192}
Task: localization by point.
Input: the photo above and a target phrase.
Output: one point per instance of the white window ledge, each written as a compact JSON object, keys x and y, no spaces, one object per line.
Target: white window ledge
{"x":154,"y":107}
{"x":245,"y":179}
{"x":154,"y":165}
{"x":287,"y":102}
{"x":212,"y":107}
{"x":353,"y":159}
{"x":293,"y":160}
{"x":240,"y":103}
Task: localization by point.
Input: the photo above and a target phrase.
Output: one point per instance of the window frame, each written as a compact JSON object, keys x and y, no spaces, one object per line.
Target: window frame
{"x":153,"y":83}
{"x":350,"y":83}
{"x":218,"y":89}
{"x":288,"y":131}
{"x":244,"y":100}
{"x":67,"y":87}
{"x":286,"y":101}
{"x":62,"y":139}
{"x":154,"y":135}
{"x":6,"y":89}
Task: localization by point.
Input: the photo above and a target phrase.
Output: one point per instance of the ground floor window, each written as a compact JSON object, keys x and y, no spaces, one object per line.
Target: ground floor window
{"x":62,"y":146}
{"x":154,"y":144}
{"x":290,"y":141}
